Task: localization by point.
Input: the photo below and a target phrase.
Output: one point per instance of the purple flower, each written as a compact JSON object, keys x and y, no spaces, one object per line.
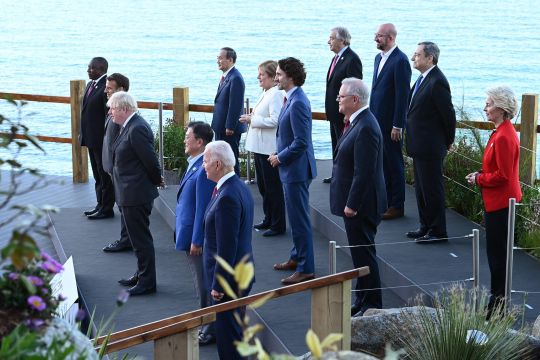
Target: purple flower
{"x":36,"y":303}
{"x":122,"y":297}
{"x":61,"y":297}
{"x":13,"y":276}
{"x":36,"y":280}
{"x":50,"y":264}
{"x":81,"y":314}
{"x":44,"y":290}
{"x":34,"y":324}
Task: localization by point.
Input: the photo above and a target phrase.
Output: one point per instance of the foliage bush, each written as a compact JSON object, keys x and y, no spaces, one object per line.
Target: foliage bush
{"x":173,"y":146}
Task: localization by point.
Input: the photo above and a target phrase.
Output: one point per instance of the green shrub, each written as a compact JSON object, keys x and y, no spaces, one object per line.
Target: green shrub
{"x":173,"y":146}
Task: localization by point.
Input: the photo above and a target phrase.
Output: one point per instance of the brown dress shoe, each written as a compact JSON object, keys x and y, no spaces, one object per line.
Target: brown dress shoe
{"x":296,"y":278}
{"x":392,"y":213}
{"x":287,"y":265}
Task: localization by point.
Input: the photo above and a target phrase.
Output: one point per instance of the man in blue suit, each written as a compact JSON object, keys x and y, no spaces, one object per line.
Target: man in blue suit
{"x":389,"y":94}
{"x":228,"y":103}
{"x":296,"y":164}
{"x":227,"y":227}
{"x":357,"y":190}
{"x":191,"y":201}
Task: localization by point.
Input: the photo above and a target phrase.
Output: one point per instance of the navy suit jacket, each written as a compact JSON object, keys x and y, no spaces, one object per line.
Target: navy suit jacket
{"x":293,"y":140}
{"x":136,"y":170}
{"x":111,"y":133}
{"x":93,"y":114}
{"x":357,"y":174}
{"x":228,"y":228}
{"x":192,"y":200}
{"x":390,"y":91}
{"x":228,"y":105}
{"x":431,"y":120}
{"x":348,"y":65}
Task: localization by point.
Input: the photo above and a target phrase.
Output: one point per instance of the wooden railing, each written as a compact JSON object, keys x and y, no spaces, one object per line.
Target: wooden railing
{"x":176,"y":337}
{"x":528,"y":128}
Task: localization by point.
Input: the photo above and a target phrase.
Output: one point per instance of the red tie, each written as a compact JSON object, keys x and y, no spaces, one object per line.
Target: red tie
{"x":347,"y":124}
{"x":284,"y":101}
{"x":333,"y":66}
{"x":221,"y":81}
{"x":214,"y":193}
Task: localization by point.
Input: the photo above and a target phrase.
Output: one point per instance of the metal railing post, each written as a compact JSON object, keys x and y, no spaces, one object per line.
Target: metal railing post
{"x":160,"y":140}
{"x":476,"y":265}
{"x":248,"y":154}
{"x":510,"y":250}
{"x":332,"y":257}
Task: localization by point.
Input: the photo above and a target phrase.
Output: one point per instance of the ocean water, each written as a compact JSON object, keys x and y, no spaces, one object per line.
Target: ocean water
{"x":162,"y":44}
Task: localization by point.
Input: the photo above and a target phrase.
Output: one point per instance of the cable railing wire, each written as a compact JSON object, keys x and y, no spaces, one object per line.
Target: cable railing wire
{"x":414,"y":285}
{"x":404,"y":242}
{"x":529,"y":220}
{"x":460,"y":184}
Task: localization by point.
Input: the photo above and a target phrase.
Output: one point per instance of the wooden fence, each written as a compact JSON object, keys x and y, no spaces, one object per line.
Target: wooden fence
{"x":528,"y":128}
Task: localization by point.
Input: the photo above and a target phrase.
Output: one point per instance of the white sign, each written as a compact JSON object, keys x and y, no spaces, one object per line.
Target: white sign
{"x":64,"y":284}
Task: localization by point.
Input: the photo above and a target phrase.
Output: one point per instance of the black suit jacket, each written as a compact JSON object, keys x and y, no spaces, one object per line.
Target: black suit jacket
{"x":431,"y":119}
{"x":357,"y":174}
{"x":348,"y":65}
{"x":111,"y":133}
{"x":93,"y":115}
{"x":136,"y":170}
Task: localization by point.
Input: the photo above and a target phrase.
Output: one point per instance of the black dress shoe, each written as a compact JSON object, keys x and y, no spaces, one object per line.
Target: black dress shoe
{"x":271,"y":232}
{"x":132,"y":281}
{"x":327,"y":180}
{"x":431,"y":239}
{"x":117,"y":246}
{"x":416,"y":233}
{"x":91,"y":212}
{"x":141,"y":290}
{"x":206,"y":339}
{"x":262,"y":226}
{"x":101,"y":215}
{"x":355,"y":309}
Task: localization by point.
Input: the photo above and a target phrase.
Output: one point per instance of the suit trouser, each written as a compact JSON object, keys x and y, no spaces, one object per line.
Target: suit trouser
{"x":104,"y":187}
{"x":496,"y":242}
{"x":361,"y":231}
{"x":271,"y":190}
{"x":429,"y":189}
{"x":195,"y":263}
{"x":234,"y":142}
{"x":137,"y":221}
{"x":336,"y":130}
{"x":297,"y":202}
{"x":394,"y":172}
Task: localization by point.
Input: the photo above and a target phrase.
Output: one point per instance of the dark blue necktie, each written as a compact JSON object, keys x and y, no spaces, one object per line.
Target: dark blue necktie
{"x":417,"y":85}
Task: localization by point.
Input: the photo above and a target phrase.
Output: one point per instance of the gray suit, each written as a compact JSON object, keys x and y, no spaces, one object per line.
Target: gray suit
{"x":136,"y":174}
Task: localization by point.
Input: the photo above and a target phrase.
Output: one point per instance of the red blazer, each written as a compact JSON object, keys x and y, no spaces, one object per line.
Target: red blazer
{"x":499,"y":178}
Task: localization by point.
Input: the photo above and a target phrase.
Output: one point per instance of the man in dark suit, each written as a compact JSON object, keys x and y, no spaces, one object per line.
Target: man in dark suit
{"x":228,"y":103}
{"x":136,"y":174}
{"x":192,"y":200}
{"x":296,"y":164}
{"x":344,"y":64}
{"x":431,"y":127}
{"x":389,"y":94}
{"x":115,"y":82}
{"x":357,"y":190}
{"x":92,"y":131}
{"x":227,"y":227}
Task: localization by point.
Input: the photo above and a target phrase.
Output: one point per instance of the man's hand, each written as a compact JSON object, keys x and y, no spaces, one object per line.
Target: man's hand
{"x":349,"y":212}
{"x":229,"y":132}
{"x":217,"y":296}
{"x":273,"y":160}
{"x":245,"y":119}
{"x":195,"y":250}
{"x":396,"y":134}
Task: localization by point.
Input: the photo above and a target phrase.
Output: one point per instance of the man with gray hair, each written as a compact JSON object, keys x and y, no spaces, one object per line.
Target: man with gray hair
{"x":227,"y":229}
{"x":344,"y":64}
{"x":357,"y":190}
{"x":431,"y":127}
{"x":136,"y":174}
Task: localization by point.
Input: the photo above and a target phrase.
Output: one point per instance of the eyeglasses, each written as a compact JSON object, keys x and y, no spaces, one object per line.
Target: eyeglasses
{"x":339,"y":97}
{"x":377,"y":35}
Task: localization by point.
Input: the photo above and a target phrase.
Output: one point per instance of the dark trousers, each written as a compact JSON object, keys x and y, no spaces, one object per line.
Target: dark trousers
{"x":137,"y":221}
{"x":429,"y":189}
{"x":228,"y":330}
{"x":234,"y":141}
{"x":297,"y":202}
{"x":394,"y":172}
{"x":361,"y":231}
{"x":271,"y":191}
{"x":336,"y":130}
{"x":124,"y":237}
{"x":496,"y":242}
{"x":196,"y":267}
{"x":104,"y":187}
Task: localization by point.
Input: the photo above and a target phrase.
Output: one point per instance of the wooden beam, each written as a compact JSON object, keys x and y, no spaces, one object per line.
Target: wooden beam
{"x":39,"y":98}
{"x":527,"y":138}
{"x":181,"y":105}
{"x":79,"y":154}
{"x":182,"y":346}
{"x":41,"y":138}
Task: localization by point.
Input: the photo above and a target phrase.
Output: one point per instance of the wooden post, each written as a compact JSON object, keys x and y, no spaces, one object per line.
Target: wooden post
{"x":331,"y":312}
{"x":182,"y":346}
{"x":79,"y":154}
{"x":181,"y":105}
{"x":527,"y":138}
